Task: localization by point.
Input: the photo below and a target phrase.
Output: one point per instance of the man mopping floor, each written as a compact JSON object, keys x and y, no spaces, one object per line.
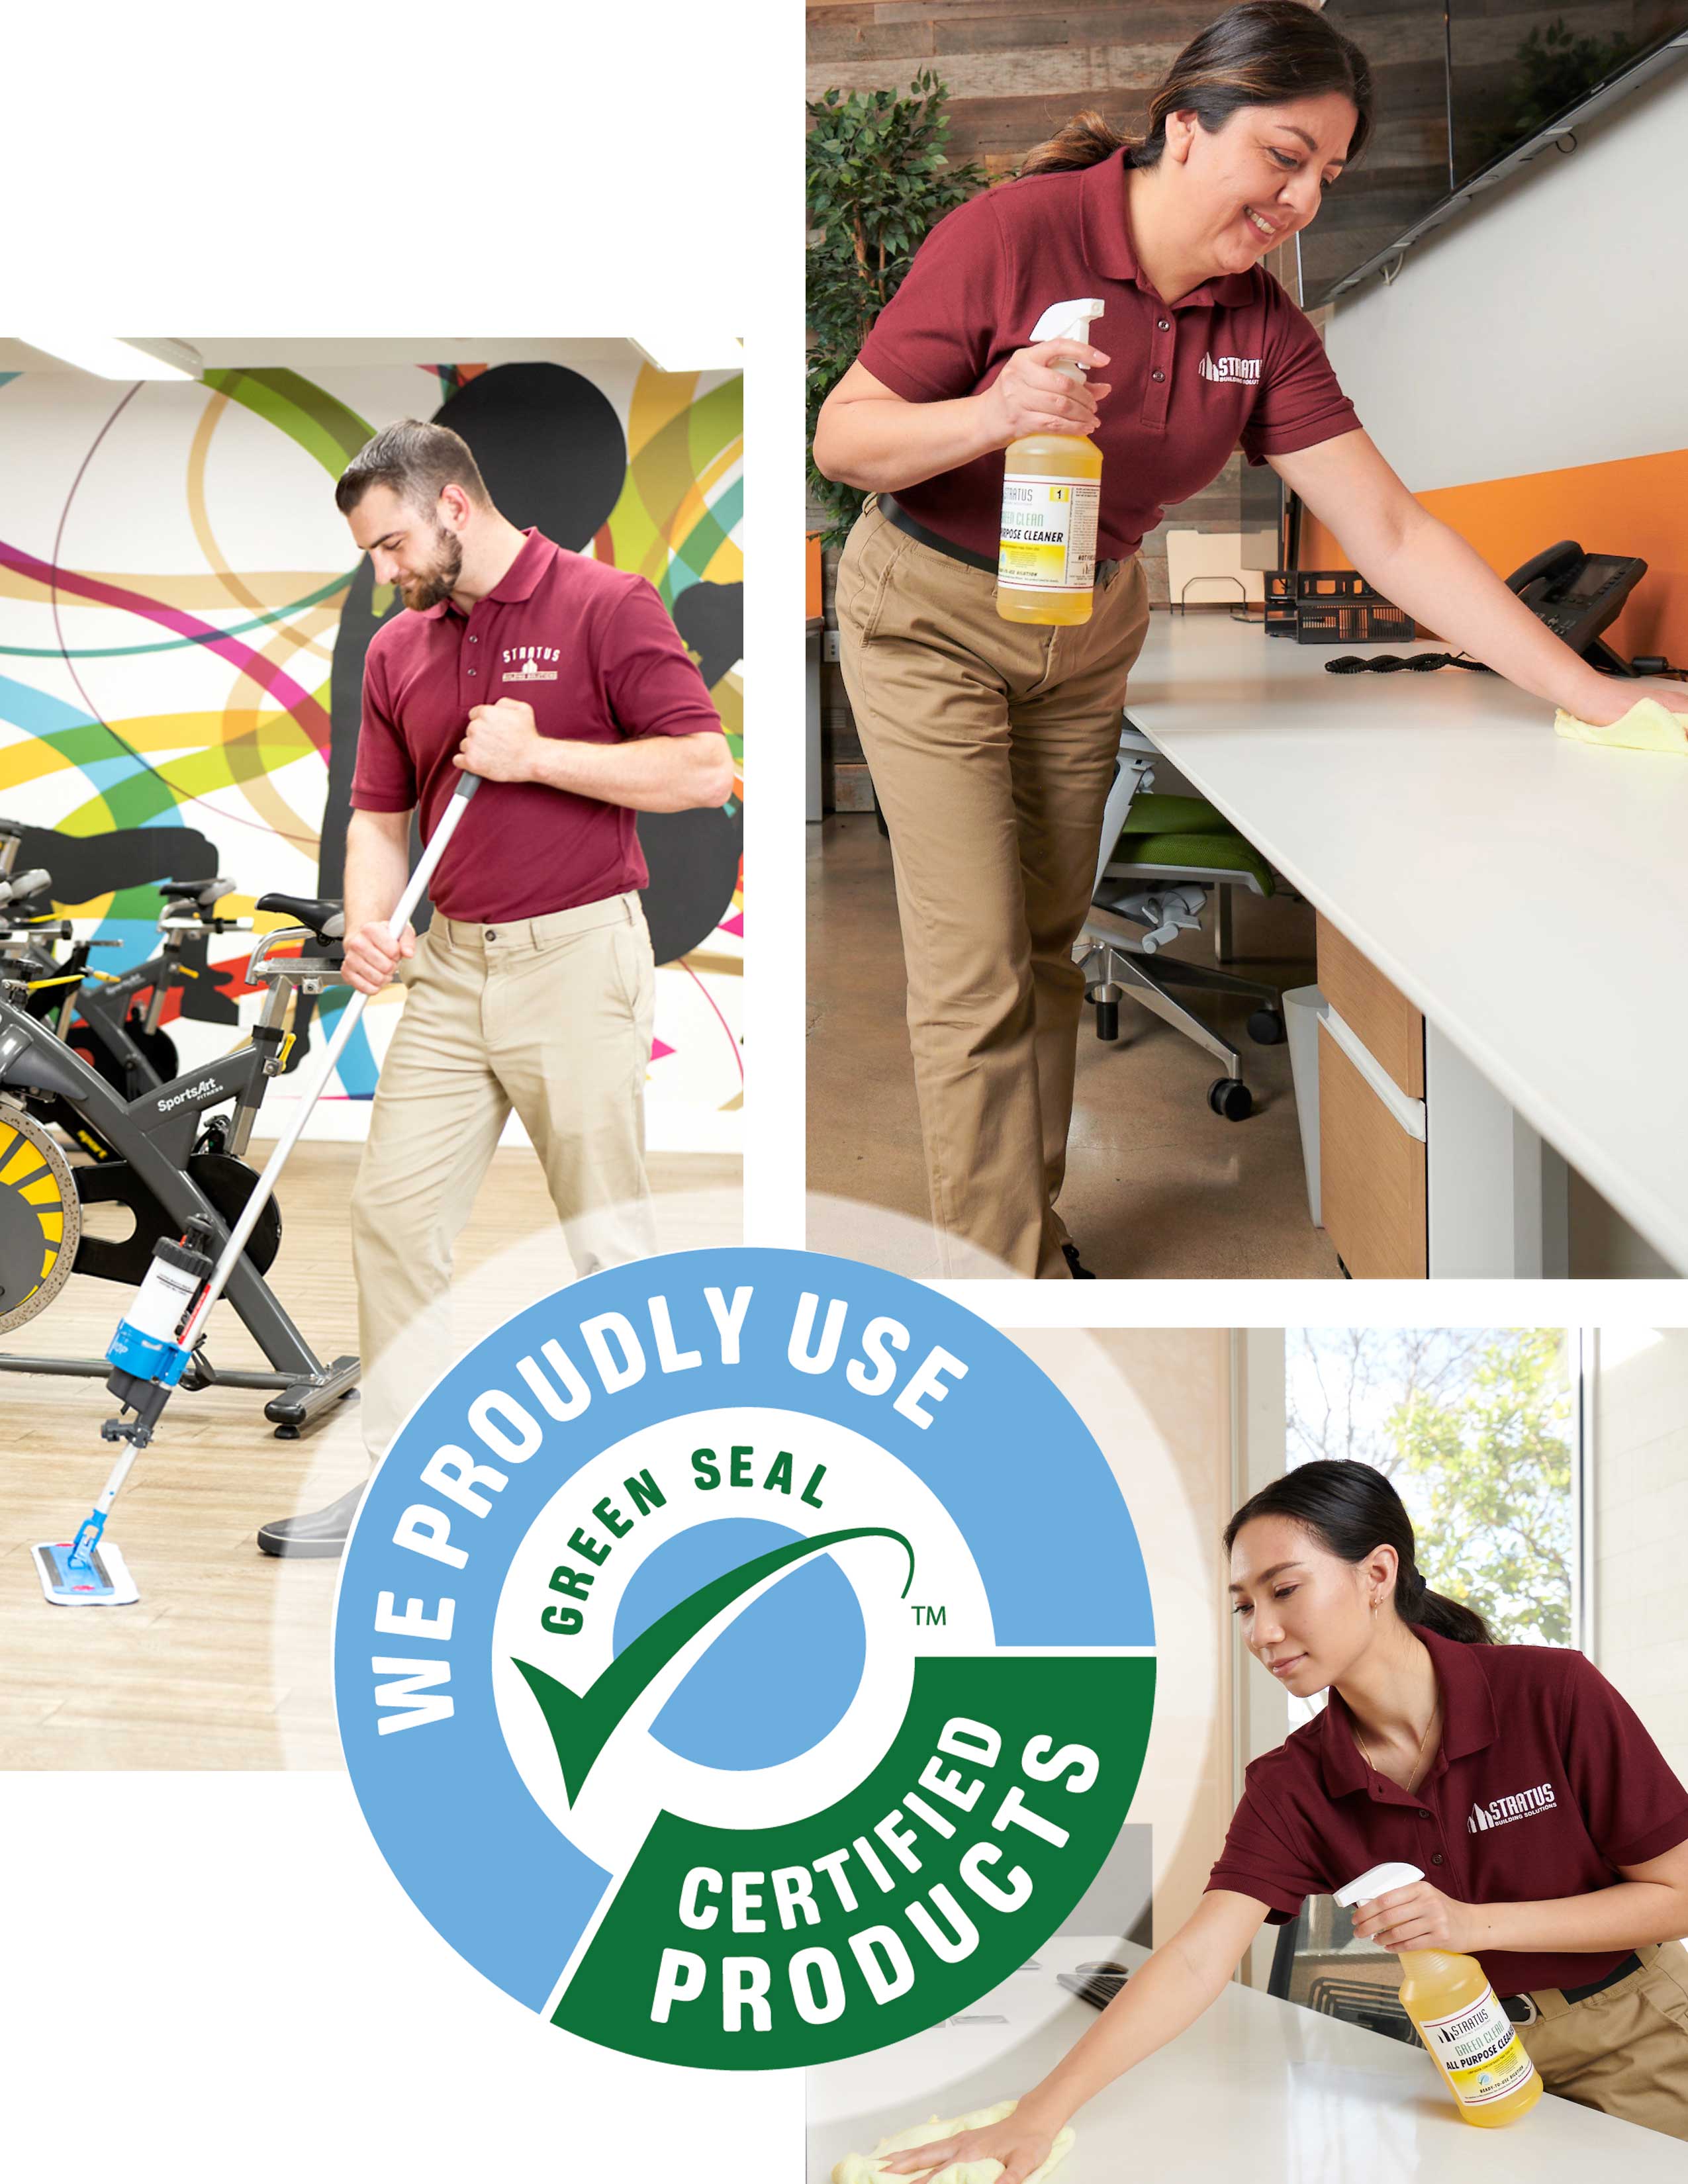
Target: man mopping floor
{"x":533,"y":988}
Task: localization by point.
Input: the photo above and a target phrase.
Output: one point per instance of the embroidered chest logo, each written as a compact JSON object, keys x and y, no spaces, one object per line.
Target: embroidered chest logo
{"x":529,"y":663}
{"x":1245,"y":368}
{"x":1499,"y":1812}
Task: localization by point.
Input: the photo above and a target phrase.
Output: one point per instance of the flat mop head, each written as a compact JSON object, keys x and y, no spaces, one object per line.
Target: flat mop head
{"x":104,"y":1583}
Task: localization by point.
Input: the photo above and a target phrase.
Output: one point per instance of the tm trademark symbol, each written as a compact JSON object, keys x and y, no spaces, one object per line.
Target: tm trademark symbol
{"x":931,"y":1618}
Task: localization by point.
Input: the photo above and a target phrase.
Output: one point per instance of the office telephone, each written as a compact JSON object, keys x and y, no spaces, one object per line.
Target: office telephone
{"x":1576,"y":594}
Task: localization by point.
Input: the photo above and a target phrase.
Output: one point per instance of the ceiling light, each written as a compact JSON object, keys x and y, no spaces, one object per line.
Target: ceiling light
{"x":107,"y":358}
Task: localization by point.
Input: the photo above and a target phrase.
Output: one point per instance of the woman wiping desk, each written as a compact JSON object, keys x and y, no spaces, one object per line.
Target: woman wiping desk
{"x":991,"y":742}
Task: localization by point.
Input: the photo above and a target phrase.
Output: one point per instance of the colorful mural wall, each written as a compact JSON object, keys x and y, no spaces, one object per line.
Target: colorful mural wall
{"x":183,"y":619}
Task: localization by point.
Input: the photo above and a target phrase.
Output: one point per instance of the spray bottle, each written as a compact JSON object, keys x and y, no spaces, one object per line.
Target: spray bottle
{"x":1052,"y":495}
{"x":1448,"y":1998}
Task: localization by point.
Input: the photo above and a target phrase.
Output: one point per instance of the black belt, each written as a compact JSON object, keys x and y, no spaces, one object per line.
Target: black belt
{"x":1522,"y":2009}
{"x":893,"y":512}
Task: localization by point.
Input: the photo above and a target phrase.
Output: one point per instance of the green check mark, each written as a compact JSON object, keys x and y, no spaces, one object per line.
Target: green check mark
{"x":581,"y":1726}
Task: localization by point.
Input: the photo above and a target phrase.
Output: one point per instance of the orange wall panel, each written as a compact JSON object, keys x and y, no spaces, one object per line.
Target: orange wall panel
{"x":1638,"y":506}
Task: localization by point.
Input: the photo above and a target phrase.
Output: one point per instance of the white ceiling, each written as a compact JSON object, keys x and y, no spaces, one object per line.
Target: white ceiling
{"x":226,"y":352}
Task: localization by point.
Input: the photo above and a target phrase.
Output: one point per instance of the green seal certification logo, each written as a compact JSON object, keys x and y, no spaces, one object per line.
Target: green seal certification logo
{"x":745,"y":1659}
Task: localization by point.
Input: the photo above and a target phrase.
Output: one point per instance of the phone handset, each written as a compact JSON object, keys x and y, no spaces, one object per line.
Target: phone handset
{"x":1556,"y":561}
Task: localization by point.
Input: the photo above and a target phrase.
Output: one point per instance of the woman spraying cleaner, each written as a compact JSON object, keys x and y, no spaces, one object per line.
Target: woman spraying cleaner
{"x":1551,"y":1831}
{"x":1051,"y":498}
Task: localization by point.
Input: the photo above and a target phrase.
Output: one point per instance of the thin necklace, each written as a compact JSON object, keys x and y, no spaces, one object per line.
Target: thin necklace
{"x":1418,"y":1755}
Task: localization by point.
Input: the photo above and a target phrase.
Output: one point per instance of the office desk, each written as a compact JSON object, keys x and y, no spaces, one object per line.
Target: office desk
{"x":1256,"y":2087}
{"x":1529,"y":894}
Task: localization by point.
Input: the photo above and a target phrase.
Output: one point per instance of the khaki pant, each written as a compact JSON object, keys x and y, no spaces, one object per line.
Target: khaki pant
{"x":1625,"y":2049}
{"x":549,"y":1015}
{"x":992,"y":745}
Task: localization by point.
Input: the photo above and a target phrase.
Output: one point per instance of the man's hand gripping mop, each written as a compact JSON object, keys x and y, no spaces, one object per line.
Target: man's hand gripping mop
{"x":156,"y":1336}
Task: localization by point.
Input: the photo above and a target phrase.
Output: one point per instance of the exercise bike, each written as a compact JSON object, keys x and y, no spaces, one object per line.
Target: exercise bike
{"x":105,"y":1019}
{"x":173,"y":1161}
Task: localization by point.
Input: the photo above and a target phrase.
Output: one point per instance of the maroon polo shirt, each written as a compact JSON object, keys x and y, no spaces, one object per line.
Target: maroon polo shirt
{"x":593,"y":650}
{"x":1233,"y":361}
{"x":1544,"y":1784}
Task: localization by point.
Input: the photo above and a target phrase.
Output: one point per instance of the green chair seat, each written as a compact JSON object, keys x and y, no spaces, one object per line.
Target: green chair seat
{"x":1227,"y":852}
{"x":1174,"y":814}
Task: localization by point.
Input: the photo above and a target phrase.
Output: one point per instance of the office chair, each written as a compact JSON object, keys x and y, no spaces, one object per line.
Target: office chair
{"x":1338,"y":1978}
{"x":1158,"y":858}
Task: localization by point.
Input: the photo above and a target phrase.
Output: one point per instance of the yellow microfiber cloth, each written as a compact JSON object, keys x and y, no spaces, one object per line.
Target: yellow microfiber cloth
{"x":865,"y":2168}
{"x":1647,"y":726}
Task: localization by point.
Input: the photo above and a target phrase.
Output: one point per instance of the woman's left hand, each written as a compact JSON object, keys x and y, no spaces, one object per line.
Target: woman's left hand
{"x":1420,"y":1917}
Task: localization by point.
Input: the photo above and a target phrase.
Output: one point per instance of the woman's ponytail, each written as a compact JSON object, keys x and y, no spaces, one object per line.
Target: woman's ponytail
{"x":1085,"y":142}
{"x":1353,"y":1509}
{"x":1443,"y":1617}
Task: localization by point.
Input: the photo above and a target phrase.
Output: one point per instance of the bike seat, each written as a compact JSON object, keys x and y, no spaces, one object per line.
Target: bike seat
{"x":325,"y":919}
{"x":203,"y":891}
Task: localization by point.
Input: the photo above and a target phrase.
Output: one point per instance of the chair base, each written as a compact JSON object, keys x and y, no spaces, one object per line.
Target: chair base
{"x":1116,"y":967}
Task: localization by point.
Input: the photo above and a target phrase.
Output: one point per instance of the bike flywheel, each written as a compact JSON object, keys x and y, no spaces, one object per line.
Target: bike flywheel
{"x":41,"y":1218}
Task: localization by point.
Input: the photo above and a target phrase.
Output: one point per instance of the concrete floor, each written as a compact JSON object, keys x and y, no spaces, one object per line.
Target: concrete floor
{"x":1157,"y":1185}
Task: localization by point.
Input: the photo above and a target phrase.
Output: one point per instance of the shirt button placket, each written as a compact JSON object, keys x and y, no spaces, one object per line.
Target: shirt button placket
{"x":1158,"y":392}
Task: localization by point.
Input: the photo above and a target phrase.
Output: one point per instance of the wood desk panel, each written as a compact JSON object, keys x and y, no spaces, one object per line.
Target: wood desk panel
{"x":1371,"y":1176}
{"x":1383,"y":1019}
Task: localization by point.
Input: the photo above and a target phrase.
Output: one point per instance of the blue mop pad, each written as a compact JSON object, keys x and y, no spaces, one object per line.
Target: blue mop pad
{"x":104,"y":1583}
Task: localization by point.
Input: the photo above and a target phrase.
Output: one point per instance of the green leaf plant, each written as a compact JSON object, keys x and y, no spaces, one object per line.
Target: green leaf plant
{"x":877,"y":181}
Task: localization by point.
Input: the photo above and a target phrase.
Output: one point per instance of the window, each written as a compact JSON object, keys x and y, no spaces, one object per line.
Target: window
{"x":1477,"y":1429}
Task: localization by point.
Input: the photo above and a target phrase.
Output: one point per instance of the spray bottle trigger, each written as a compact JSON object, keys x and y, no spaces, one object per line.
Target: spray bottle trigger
{"x":1376,"y":1880}
{"x":1069,"y":322}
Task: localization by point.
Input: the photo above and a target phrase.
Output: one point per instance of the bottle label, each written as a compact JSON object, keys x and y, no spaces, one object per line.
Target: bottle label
{"x":1479,"y":2050}
{"x":1049,"y":533}
{"x":163,"y":1302}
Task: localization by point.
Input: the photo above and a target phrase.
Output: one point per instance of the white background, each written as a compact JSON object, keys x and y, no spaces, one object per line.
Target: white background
{"x":207,"y":1976}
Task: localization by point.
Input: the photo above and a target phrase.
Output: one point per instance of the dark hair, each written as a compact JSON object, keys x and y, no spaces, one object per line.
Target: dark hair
{"x":1351,"y":1509}
{"x":1265,"y":53}
{"x":417,"y":461}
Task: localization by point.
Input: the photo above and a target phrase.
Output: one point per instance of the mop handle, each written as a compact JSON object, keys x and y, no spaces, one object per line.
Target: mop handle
{"x":265,"y":1187}
{"x":89,"y":1537}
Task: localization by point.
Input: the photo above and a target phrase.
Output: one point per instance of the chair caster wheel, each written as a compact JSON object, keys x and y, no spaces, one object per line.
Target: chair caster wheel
{"x":1265,"y":1028}
{"x":286,"y":1433}
{"x":1107,"y":1019}
{"x":1230,"y":1097}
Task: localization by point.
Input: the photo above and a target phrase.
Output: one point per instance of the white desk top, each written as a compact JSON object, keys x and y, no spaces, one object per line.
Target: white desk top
{"x":1255,"y":2087}
{"x":1528,"y":894}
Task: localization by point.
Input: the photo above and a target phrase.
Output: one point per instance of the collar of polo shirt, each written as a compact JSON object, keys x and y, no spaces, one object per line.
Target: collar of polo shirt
{"x":1467,"y":1719}
{"x":1106,"y":232}
{"x":517,"y":582}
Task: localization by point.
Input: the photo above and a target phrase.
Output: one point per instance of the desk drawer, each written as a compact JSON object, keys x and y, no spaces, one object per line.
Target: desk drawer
{"x":1383,"y":1020}
{"x":1371,"y":1174}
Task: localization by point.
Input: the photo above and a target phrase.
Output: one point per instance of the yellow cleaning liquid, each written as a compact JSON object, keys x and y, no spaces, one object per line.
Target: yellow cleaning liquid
{"x":1051,"y":496}
{"x":1475,"y":2044}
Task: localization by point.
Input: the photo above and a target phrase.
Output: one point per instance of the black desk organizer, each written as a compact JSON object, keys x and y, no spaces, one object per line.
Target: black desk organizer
{"x":1332,"y":606}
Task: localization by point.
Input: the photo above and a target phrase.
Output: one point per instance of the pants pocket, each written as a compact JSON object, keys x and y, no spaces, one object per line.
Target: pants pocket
{"x":871,"y":554}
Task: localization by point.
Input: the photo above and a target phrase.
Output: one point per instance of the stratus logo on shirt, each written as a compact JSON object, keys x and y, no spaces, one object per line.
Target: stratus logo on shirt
{"x":1499,"y":1811}
{"x":1245,"y":368}
{"x":522,"y":663}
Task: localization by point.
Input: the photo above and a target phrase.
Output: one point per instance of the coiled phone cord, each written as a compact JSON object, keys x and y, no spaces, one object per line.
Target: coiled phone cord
{"x":1403,"y":663}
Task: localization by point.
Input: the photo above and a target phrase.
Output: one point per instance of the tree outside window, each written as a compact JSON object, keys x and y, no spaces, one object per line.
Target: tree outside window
{"x":1474,"y":1428}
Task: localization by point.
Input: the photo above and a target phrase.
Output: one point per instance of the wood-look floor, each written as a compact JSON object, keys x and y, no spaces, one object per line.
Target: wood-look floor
{"x":224,"y":1661}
